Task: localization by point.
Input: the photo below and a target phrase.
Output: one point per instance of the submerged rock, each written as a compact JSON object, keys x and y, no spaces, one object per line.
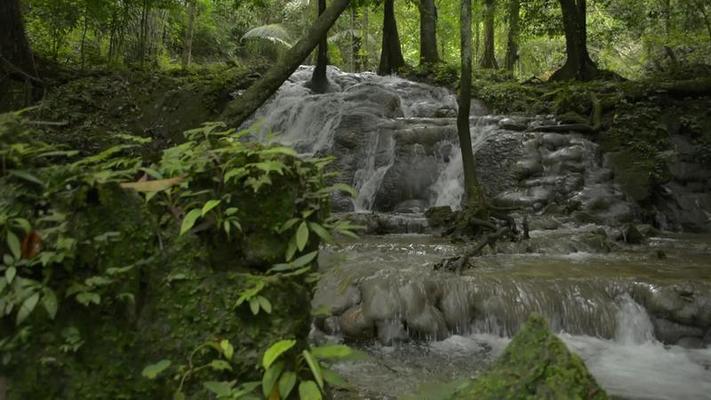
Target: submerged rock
{"x":535,"y":365}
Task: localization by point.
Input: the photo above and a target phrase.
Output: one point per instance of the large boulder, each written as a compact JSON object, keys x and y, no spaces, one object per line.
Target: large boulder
{"x":535,"y":365}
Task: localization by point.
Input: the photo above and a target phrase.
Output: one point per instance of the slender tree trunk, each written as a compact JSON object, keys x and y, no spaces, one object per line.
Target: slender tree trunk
{"x":144,"y":33}
{"x":579,"y":65}
{"x":391,"y":59}
{"x":477,"y":39}
{"x":365,"y":62}
{"x":355,"y":44}
{"x":319,"y":80}
{"x":240,"y":109}
{"x":189,"y":33}
{"x":488,"y":58}
{"x":512,"y":42}
{"x":83,"y":37}
{"x":428,"y":32}
{"x":16,"y":58}
{"x":465,"y":140}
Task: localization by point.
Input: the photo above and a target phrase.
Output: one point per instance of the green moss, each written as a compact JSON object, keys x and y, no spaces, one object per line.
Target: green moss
{"x":535,"y":365}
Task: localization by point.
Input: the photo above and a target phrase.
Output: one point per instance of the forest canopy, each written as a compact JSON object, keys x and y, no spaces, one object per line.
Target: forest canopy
{"x":629,"y":37}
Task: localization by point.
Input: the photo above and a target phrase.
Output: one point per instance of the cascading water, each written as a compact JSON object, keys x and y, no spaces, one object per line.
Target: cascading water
{"x":628,"y":315}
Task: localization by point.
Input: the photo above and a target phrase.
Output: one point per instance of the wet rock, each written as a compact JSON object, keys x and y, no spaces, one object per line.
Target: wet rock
{"x":354,"y":324}
{"x":691,"y":343}
{"x":631,"y":235}
{"x":414,"y":206}
{"x":535,"y":365}
{"x":380,"y":301}
{"x":512,"y":124}
{"x":349,"y":298}
{"x":429,"y":324}
{"x":671,"y":332}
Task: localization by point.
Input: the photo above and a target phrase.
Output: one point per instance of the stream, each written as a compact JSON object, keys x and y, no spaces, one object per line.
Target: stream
{"x":639,"y":314}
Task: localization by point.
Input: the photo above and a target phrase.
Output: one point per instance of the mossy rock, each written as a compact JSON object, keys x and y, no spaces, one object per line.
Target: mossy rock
{"x":535,"y":365}
{"x":633,"y":175}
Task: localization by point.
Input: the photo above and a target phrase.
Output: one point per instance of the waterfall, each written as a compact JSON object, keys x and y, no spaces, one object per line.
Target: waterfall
{"x":633,"y":323}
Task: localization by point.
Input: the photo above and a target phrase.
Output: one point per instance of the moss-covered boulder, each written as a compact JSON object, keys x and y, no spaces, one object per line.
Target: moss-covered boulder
{"x":535,"y":365}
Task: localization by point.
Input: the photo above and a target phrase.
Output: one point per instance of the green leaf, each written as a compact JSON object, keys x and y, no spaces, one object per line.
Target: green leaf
{"x":314,"y":366}
{"x":302,"y":236}
{"x":234,"y":173}
{"x":23,"y":224}
{"x":290,"y":249}
{"x":280,"y":150}
{"x":332,"y":351}
{"x":220,"y":365}
{"x":298,"y":263}
{"x":10,"y":274}
{"x":270,"y":377}
{"x":152,"y":371}
{"x":87,"y":298}
{"x":27,"y":307}
{"x":276,"y":350}
{"x":254,"y":305}
{"x":189,"y":220}
{"x":13,"y":243}
{"x":178,"y":396}
{"x":26,"y":176}
{"x":309,"y":391}
{"x":227,"y":350}
{"x":265,"y":304}
{"x":334,"y":378}
{"x":321,"y":232}
{"x":288,"y":224}
{"x":286,"y":383}
{"x":342,"y":187}
{"x":49,"y":301}
{"x":221,"y":389}
{"x":209,"y":206}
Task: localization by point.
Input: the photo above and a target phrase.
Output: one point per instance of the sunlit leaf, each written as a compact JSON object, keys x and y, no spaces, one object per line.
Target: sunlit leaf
{"x":27,"y":307}
{"x":302,"y":236}
{"x":321,"y":232}
{"x":276,"y":350}
{"x":152,"y":371}
{"x":209,"y":206}
{"x":314,"y":366}
{"x":309,"y":391}
{"x":189,"y":220}
{"x":13,"y":243}
{"x":286,"y":383}
{"x":152,"y":186}
{"x":269,"y":379}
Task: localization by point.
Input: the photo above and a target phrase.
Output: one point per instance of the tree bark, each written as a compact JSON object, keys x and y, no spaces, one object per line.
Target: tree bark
{"x":465,"y":140}
{"x":319,"y":80}
{"x":488,"y":57}
{"x":428,"y":32}
{"x":391,"y":59}
{"x":579,"y":65}
{"x":16,"y":58}
{"x":512,"y":42}
{"x":189,"y":33}
{"x":240,"y":109}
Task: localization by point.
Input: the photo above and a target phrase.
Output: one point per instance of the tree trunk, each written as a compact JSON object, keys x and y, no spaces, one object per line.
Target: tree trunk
{"x":488,"y":57}
{"x":512,"y":42}
{"x":391,"y":59}
{"x":15,"y":54}
{"x":579,"y":65}
{"x":428,"y":32}
{"x":189,"y":33}
{"x":365,"y":61}
{"x":319,"y":80}
{"x":465,"y":140}
{"x":240,"y":109}
{"x":355,"y":41}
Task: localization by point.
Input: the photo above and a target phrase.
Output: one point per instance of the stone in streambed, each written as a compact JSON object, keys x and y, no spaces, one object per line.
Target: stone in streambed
{"x":535,"y":365}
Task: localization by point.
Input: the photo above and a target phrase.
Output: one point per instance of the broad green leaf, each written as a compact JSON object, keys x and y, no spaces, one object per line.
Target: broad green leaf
{"x":331,"y":351}
{"x":309,"y":391}
{"x":342,"y":187}
{"x":234,"y":173}
{"x":10,"y":274}
{"x":298,"y":263}
{"x":189,"y":220}
{"x":220,"y":365}
{"x":209,"y":206}
{"x":286,"y":383}
{"x":265,"y":304}
{"x":221,"y":389}
{"x":27,"y":307}
{"x":288,"y":224}
{"x":227,"y":349}
{"x":302,"y":236}
{"x":321,"y":232}
{"x":290,"y":249}
{"x":334,"y":378}
{"x":276,"y":350}
{"x":152,"y":371}
{"x":49,"y":301}
{"x":152,"y":186}
{"x":23,"y":224}
{"x":87,"y":298}
{"x":178,"y":396}
{"x":269,"y":379}
{"x":13,"y":243}
{"x":280,"y":150}
{"x":314,"y":366}
{"x":254,"y":305}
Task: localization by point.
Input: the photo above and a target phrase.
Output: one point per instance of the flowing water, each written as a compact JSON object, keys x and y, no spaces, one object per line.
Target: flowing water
{"x":640,"y":316}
